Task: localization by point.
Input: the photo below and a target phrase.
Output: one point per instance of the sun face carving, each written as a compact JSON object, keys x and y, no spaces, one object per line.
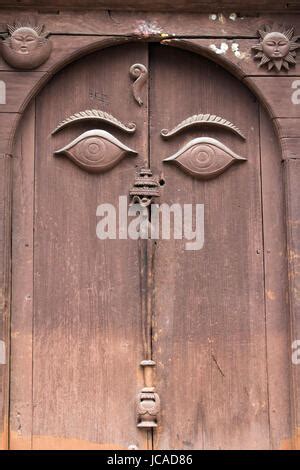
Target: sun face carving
{"x":277,"y":47}
{"x":27,"y":46}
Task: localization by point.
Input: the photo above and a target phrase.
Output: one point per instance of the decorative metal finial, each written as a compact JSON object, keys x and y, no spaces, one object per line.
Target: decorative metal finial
{"x":145,"y":188}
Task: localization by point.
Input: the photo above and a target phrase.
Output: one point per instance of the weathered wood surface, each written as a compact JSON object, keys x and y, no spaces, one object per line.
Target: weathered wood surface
{"x":210,"y":339}
{"x":87,"y":327}
{"x":291,"y":148}
{"x":8,"y":122}
{"x":256,"y":333}
{"x":292,"y":175}
{"x":20,"y":87}
{"x":160,"y":5}
{"x":5,"y":263}
{"x":22,"y":282}
{"x":277,"y":95}
{"x":66,"y":48}
{"x":288,"y":127}
{"x":234,"y":54}
{"x":276,"y":286}
{"x":143,"y":24}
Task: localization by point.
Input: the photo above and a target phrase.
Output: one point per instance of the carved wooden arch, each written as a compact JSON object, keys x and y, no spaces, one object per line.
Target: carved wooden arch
{"x":286,"y":128}
{"x":87,"y":44}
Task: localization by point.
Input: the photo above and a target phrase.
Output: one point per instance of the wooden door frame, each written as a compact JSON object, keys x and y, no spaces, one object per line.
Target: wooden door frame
{"x":73,"y":38}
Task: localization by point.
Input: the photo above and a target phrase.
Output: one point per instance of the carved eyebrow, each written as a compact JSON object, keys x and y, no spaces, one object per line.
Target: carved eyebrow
{"x":95,"y":115}
{"x":202,"y":119}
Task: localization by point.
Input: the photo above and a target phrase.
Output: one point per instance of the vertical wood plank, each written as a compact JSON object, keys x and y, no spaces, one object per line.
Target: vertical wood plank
{"x":209,"y":333}
{"x":87,"y":342}
{"x":276,"y":288}
{"x":22,"y":284}
{"x":5,"y":267}
{"x":8,"y":122}
{"x":279,"y":105}
{"x":20,"y":87}
{"x":292,"y":177}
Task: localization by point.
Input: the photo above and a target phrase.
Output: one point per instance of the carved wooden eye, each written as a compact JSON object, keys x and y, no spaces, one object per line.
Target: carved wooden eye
{"x":204,"y":157}
{"x":96,"y":151}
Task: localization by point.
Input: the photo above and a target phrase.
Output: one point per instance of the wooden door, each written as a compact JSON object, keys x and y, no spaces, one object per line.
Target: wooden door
{"x":76,"y":323}
{"x":86,"y":312}
{"x":221,"y":324}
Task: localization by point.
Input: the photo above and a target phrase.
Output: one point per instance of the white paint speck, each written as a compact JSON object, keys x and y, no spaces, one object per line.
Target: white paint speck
{"x":219,"y":50}
{"x":2,"y":353}
{"x":235,"y":47}
{"x":233,"y":16}
{"x":148,"y":29}
{"x":213,"y":17}
{"x":235,"y":50}
{"x":2,"y":92}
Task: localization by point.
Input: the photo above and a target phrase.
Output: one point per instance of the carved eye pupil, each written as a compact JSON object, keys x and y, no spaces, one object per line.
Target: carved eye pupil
{"x":93,"y":148}
{"x":203,"y":156}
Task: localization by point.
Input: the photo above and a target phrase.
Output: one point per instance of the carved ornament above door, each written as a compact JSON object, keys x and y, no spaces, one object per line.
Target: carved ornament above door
{"x":138,"y":73}
{"x":277,"y":47}
{"x":27,"y":45}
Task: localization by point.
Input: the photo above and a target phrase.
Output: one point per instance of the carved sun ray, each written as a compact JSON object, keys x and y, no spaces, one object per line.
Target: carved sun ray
{"x":39,"y":29}
{"x":277,"y":47}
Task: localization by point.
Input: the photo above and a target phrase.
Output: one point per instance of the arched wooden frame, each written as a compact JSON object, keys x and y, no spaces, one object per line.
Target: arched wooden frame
{"x":269,"y":91}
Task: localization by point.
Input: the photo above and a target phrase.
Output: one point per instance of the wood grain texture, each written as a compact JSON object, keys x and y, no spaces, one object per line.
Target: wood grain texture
{"x":292,"y":174}
{"x":291,"y":148}
{"x":87,"y":342}
{"x":276,"y":285}
{"x":155,"y":24}
{"x":209,"y":337}
{"x":276,"y":93}
{"x":234,"y":54}
{"x":22,"y":284}
{"x":5,"y":267}
{"x":288,"y":127}
{"x":66,"y":48}
{"x":220,"y":319}
{"x":160,"y":5}
{"x":20,"y":87}
{"x":8,"y":124}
